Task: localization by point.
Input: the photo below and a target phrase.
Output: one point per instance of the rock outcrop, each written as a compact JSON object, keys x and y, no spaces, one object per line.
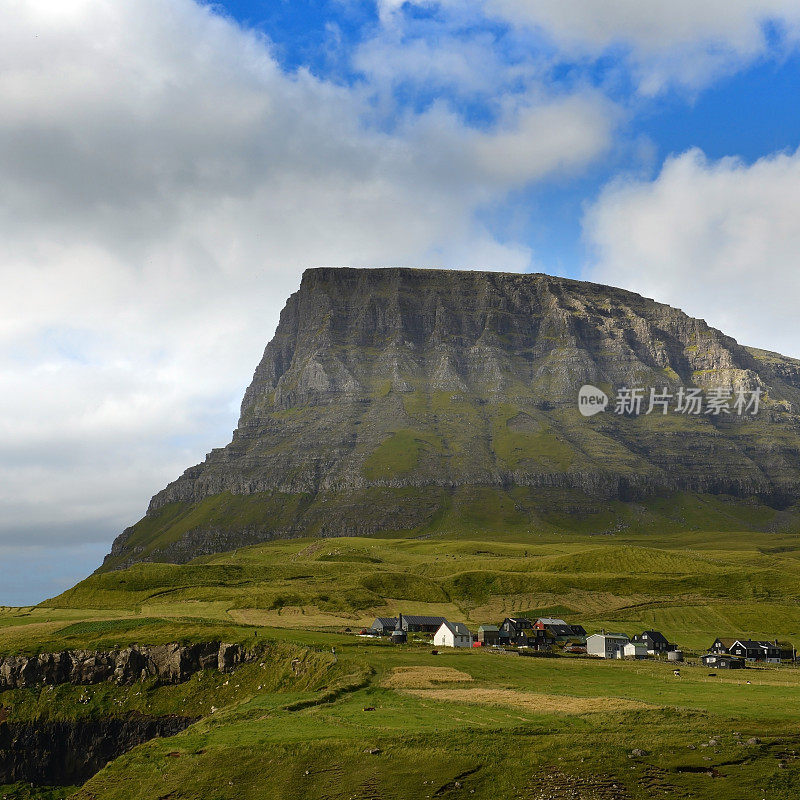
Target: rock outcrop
{"x":168,"y":663}
{"x":69,"y":753}
{"x":388,"y":396}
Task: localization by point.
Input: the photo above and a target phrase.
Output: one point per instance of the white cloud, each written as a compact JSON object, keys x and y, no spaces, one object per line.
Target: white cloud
{"x":718,"y":239}
{"x":685,"y":42}
{"x":164,"y":185}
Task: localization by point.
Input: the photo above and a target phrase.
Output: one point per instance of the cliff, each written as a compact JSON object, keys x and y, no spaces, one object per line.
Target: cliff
{"x":400,"y":400}
{"x":166,"y":663}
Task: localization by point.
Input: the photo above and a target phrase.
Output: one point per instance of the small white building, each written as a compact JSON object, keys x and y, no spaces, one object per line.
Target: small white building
{"x":633,"y":650}
{"x":452,"y":634}
{"x":606,"y":645}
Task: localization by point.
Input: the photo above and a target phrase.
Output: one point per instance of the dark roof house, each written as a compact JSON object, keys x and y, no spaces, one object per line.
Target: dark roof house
{"x":515,"y":625}
{"x":418,"y":624}
{"x":750,"y":649}
{"x":489,"y":634}
{"x":408,"y":622}
{"x":383,"y":626}
{"x":655,"y":641}
{"x":756,"y":650}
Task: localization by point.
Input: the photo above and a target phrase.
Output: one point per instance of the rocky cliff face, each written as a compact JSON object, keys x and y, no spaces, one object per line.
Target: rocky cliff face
{"x":387,"y":394}
{"x":69,"y":753}
{"x":168,"y":663}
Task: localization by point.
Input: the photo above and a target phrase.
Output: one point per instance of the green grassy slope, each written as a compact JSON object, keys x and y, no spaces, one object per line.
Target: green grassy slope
{"x":471,"y":723}
{"x":472,"y":512}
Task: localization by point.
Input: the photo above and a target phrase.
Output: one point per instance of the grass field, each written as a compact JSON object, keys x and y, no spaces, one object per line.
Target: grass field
{"x":380,"y":721}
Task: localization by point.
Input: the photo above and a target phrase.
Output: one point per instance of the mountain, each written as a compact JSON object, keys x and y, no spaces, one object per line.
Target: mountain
{"x":422,"y":402}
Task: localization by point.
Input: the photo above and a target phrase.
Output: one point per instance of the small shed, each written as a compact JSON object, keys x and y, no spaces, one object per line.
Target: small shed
{"x":722,"y":661}
{"x":489,"y":635}
{"x":452,"y":634}
{"x":675,"y":655}
{"x":633,"y":650}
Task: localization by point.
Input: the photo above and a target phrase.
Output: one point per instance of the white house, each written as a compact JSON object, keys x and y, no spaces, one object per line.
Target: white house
{"x":634,"y":650}
{"x":452,"y":634}
{"x":606,"y":645}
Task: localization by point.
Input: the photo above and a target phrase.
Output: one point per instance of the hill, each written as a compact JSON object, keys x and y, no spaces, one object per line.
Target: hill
{"x":415,"y":402}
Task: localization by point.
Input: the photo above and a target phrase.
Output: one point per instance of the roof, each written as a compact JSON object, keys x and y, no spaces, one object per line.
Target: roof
{"x":725,"y":641}
{"x":551,"y":621}
{"x":752,"y":644}
{"x":578,"y":629}
{"x":519,"y":622}
{"x":385,"y":622}
{"x":613,"y":636}
{"x":489,"y":628}
{"x":456,"y":628}
{"x":412,"y":620}
{"x":655,"y":636}
{"x":561,"y":630}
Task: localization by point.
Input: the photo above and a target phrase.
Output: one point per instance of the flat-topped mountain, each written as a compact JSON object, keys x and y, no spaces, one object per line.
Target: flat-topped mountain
{"x":433,"y":401}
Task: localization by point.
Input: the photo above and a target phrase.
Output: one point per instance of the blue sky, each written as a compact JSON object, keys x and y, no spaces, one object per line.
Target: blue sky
{"x":749,"y":111}
{"x":171,"y":167}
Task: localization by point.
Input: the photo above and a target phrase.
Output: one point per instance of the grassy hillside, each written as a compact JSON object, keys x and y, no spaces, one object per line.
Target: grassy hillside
{"x":693,"y":587}
{"x":466,"y":512}
{"x":374,"y":720}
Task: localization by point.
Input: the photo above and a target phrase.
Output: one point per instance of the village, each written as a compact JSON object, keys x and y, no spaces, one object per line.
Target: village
{"x":552,"y":636}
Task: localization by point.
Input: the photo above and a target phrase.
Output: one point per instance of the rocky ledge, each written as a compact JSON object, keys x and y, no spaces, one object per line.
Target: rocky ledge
{"x":167,"y":663}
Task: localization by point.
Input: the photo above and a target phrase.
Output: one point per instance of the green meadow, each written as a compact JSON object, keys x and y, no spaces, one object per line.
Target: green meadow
{"x":373,"y":720}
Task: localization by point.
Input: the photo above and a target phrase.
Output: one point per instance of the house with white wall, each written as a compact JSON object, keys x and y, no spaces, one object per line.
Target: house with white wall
{"x":452,"y":634}
{"x":606,"y":645}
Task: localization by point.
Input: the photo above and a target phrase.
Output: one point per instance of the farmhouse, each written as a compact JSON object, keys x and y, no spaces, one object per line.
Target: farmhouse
{"x":756,"y":651}
{"x":606,"y":645}
{"x":560,"y":630}
{"x":721,"y":645}
{"x":749,"y":649}
{"x":383,"y":626}
{"x":521,"y":632}
{"x":452,"y":634}
{"x":512,"y":629}
{"x":414,"y":624}
{"x":488,"y":635}
{"x":655,"y":642}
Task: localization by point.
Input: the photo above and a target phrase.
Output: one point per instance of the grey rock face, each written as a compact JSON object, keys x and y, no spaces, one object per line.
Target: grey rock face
{"x":387,"y":380}
{"x":169,"y":664}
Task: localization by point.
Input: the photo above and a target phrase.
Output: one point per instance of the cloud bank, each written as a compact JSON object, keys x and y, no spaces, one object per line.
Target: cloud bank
{"x":165,"y":184}
{"x":685,"y":43}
